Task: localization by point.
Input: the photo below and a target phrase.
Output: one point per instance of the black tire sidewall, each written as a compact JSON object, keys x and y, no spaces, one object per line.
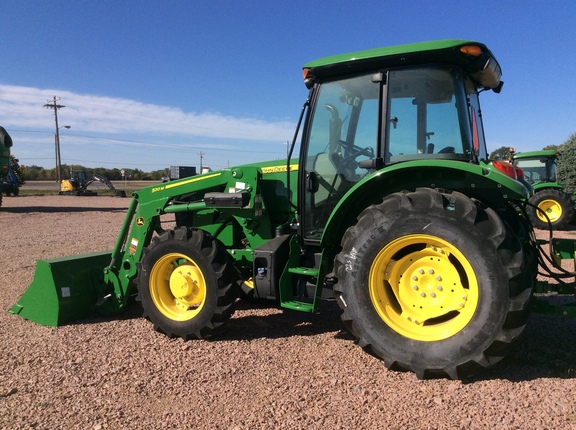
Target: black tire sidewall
{"x":479,"y":251}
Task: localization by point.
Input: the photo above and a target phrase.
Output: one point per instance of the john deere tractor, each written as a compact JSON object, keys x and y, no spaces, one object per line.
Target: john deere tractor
{"x":551,"y":205}
{"x":391,"y":209}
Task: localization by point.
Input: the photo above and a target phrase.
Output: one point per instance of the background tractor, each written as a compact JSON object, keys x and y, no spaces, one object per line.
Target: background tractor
{"x":5,"y":145}
{"x":552,"y":206}
{"x":14,"y":180}
{"x":392,"y":208}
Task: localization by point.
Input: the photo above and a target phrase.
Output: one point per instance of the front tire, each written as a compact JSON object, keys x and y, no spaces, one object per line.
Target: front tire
{"x":185,"y":284}
{"x":554,"y":205}
{"x":433,"y":283}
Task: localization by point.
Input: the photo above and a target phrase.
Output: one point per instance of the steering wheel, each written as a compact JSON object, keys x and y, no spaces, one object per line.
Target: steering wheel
{"x":354,"y":151}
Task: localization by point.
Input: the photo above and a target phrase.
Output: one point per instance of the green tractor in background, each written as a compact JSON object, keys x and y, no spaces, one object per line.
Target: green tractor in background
{"x":5,"y":145}
{"x":392,"y":208}
{"x":552,"y":206}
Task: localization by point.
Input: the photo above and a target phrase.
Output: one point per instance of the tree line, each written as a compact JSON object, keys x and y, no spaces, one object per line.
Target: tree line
{"x":37,"y":173}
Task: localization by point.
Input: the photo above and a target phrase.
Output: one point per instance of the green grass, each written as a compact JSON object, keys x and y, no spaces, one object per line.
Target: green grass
{"x":55,"y":192}
{"x":22,"y":192}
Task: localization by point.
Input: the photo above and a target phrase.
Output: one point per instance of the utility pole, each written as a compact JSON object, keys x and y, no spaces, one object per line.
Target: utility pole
{"x":54,"y":105}
{"x":201,"y":154}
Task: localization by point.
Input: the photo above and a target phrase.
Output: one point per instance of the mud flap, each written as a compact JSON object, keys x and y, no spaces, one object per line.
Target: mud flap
{"x":65,"y":289}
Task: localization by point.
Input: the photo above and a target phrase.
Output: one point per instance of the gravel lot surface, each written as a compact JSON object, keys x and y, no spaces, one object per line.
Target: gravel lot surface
{"x":267,"y":369}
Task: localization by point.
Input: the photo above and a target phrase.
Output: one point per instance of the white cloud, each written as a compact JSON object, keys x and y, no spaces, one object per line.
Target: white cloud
{"x":112,"y":131}
{"x":21,"y":107}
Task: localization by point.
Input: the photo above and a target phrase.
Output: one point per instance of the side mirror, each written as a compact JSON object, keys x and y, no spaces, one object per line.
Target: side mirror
{"x":5,"y":139}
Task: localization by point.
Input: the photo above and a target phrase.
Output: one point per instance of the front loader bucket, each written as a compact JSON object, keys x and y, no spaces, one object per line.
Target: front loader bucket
{"x":64,"y":289}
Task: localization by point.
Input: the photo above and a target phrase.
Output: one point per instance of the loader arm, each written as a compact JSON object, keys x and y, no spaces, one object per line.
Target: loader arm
{"x":229,"y":194}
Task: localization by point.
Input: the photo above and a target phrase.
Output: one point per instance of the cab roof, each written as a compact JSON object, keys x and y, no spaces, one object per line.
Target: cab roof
{"x":537,"y":154}
{"x":474,"y":57}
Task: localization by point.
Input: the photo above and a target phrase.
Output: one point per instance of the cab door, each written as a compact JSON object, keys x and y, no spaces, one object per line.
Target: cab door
{"x":342,"y":131}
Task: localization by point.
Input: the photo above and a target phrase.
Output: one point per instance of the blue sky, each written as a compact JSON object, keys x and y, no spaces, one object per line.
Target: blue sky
{"x":151,"y":84}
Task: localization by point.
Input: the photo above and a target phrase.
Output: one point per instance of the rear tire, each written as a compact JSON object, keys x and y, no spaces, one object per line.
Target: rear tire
{"x":433,"y":283}
{"x":556,"y":204}
{"x":185,"y":284}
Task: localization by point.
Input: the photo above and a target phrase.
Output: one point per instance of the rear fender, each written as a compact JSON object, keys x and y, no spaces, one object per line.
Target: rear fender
{"x":482,"y":183}
{"x":547,"y":185}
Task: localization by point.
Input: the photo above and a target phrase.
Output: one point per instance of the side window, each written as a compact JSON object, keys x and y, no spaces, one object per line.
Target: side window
{"x":402,"y":137}
{"x":425,"y":108}
{"x":552,"y":170}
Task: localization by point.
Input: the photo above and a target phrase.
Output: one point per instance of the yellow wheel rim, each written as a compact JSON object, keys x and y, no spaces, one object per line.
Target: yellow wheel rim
{"x":552,"y":208}
{"x":177,"y":287}
{"x":423,"y":287}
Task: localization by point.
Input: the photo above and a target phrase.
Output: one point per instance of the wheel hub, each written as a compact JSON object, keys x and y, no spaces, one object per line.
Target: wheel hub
{"x":552,"y":209}
{"x":423,"y":287}
{"x":185,"y":285}
{"x":429,"y":291}
{"x":177,"y":287}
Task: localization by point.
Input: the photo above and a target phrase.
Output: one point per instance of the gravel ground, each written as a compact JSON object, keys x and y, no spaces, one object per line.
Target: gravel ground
{"x":267,"y":369}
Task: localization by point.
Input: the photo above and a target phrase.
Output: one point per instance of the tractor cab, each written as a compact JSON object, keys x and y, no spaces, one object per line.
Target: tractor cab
{"x":538,"y":166}
{"x":5,"y":145}
{"x":362,"y":123}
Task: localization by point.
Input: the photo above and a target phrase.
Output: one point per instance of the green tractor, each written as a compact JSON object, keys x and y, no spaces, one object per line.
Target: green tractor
{"x":5,"y":145}
{"x":391,"y":209}
{"x":551,"y":205}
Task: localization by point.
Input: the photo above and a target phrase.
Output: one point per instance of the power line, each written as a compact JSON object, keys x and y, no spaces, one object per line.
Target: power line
{"x":155,"y":144}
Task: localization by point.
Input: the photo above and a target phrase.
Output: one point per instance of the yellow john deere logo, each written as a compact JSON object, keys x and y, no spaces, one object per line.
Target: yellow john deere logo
{"x":279,"y":169}
{"x":140,"y":221}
